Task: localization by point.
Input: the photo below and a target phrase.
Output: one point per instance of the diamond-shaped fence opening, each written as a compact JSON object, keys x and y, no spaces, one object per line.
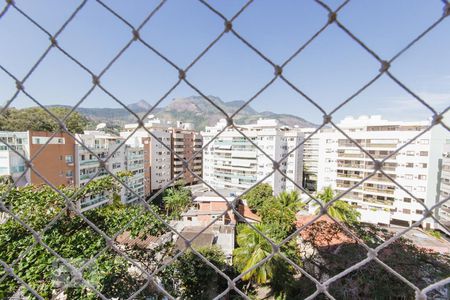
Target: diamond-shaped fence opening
{"x":154,"y":248}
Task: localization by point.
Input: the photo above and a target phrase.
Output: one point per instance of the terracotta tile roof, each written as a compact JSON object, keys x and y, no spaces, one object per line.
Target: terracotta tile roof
{"x":126,"y":239}
{"x":324,"y":232}
{"x":247,"y":213}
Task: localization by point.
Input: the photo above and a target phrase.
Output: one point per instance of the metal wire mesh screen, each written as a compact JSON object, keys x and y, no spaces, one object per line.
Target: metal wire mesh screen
{"x":77,"y":271}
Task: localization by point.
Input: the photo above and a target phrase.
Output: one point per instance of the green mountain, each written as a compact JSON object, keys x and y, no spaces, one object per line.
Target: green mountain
{"x":193,"y":109}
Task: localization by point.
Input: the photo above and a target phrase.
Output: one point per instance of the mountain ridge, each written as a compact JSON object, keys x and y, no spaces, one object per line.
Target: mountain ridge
{"x":193,"y":109}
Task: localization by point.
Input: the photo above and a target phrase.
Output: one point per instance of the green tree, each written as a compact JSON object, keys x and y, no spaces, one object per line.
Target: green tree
{"x":290,"y":200}
{"x":340,"y":209}
{"x":252,"y":248}
{"x":72,"y":238}
{"x":418,"y":265}
{"x":258,"y":195}
{"x":278,"y":219}
{"x":176,"y":200}
{"x":279,"y":214}
{"x":36,"y":118}
{"x":189,"y":277}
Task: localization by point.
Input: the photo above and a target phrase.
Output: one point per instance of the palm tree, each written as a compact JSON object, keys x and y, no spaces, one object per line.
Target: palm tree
{"x":252,"y":249}
{"x":340,"y":210}
{"x":176,"y":200}
{"x":291,"y":201}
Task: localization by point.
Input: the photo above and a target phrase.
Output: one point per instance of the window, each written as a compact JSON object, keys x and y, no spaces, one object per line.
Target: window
{"x":69,"y":173}
{"x":423,"y":177}
{"x":423,"y":153}
{"x":419,"y":211}
{"x":83,"y":157}
{"x":406,"y":211}
{"x":410,"y":165}
{"x":408,"y":176}
{"x":423,"y":165}
{"x":420,"y":188}
{"x":407,"y":200}
{"x":69,"y":159}
{"x":410,"y":153}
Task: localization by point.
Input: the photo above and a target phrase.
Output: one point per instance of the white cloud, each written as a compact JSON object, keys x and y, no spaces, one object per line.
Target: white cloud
{"x":407,"y":107}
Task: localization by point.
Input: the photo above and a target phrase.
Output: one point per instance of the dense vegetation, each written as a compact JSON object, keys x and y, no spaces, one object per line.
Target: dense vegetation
{"x":72,"y":238}
{"x":36,"y":118}
{"x":325,"y":249}
{"x":188,"y":276}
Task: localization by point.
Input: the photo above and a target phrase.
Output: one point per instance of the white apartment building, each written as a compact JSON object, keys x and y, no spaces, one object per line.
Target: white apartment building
{"x":87,"y":165}
{"x":134,"y":161}
{"x":157,"y":158}
{"x":310,"y":158}
{"x":232,"y":162}
{"x":444,"y":211}
{"x":341,"y":165}
{"x":11,"y":164}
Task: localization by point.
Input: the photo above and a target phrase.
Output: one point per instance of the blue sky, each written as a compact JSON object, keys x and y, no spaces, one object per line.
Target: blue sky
{"x":329,"y":70}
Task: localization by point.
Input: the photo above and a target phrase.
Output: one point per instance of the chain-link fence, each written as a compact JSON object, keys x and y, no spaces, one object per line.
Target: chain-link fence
{"x":76,"y":270}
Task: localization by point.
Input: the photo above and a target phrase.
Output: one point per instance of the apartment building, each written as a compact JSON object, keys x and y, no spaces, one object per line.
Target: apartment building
{"x":342,"y":165}
{"x":444,"y":211}
{"x":156,"y":158}
{"x":88,"y":166}
{"x":160,"y":164}
{"x":12,"y":164}
{"x":134,"y":162}
{"x":185,"y":143}
{"x":54,"y":162}
{"x":232,"y":162}
{"x":310,"y":158}
{"x":64,"y":161}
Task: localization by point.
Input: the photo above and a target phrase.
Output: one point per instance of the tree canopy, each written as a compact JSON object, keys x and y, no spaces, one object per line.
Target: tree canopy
{"x":339,"y":209}
{"x":37,"y":119}
{"x":176,"y":200}
{"x":189,"y":277}
{"x":258,"y":195}
{"x":72,"y":238}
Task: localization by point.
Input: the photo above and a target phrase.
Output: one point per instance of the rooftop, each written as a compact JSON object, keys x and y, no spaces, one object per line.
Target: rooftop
{"x":423,"y":240}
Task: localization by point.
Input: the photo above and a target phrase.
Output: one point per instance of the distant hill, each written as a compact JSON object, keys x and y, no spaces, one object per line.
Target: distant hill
{"x":194,"y":109}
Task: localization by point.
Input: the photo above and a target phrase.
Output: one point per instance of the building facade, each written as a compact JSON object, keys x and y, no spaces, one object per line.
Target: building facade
{"x":53,"y":158}
{"x":186,"y":143}
{"x":88,"y":166}
{"x":342,"y":165}
{"x":310,"y":158}
{"x":12,"y":165}
{"x":231,"y":161}
{"x":161,"y":165}
{"x":444,"y":188}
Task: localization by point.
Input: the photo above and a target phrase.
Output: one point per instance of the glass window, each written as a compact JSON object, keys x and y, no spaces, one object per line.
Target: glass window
{"x":69,"y":159}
